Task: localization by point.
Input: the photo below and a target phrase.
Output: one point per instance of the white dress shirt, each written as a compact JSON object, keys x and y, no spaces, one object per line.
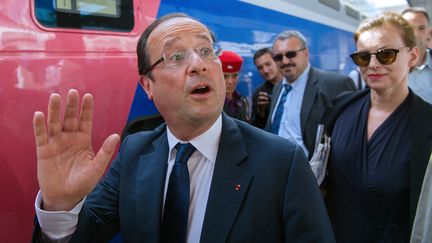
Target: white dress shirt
{"x":420,"y":79}
{"x":57,"y":225}
{"x":290,"y":126}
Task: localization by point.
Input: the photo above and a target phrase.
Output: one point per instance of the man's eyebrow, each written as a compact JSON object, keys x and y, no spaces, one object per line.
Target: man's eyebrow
{"x":204,"y":37}
{"x":170,"y":42}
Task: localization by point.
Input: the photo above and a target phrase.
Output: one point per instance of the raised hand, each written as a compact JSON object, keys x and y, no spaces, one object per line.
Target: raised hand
{"x":263,"y":104}
{"x":67,"y":167}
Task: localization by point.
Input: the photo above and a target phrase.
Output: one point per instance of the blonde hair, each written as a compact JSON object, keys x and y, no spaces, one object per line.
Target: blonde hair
{"x":396,"y":20}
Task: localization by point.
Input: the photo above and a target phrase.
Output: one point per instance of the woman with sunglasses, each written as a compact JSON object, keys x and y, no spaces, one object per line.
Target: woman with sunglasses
{"x":380,"y":139}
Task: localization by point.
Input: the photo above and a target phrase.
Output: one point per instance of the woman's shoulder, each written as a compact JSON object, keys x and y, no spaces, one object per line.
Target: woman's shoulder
{"x":340,"y":104}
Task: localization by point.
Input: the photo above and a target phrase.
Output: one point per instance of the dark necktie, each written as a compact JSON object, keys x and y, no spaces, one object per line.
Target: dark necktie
{"x":279,"y":110}
{"x":176,"y":212}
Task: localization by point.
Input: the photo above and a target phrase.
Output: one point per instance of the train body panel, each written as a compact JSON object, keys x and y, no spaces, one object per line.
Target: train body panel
{"x":38,"y":58}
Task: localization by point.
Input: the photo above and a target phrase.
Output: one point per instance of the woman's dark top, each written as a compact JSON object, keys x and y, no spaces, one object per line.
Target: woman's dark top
{"x":237,"y":107}
{"x":368,"y":183}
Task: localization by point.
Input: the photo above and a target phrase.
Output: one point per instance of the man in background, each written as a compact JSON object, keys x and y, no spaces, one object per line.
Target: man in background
{"x":269,"y":71}
{"x":420,"y":78}
{"x":301,"y":99}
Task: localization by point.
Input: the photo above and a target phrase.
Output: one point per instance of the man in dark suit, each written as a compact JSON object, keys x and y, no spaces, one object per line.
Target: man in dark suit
{"x":299,"y":102}
{"x":242,"y":184}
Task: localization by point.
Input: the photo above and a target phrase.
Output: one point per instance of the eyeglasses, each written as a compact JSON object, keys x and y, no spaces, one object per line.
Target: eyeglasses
{"x":207,"y":53}
{"x":288,"y":54}
{"x":384,"y":56}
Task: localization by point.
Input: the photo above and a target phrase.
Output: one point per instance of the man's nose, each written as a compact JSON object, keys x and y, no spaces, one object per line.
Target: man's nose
{"x":230,"y":79}
{"x":196,"y":63}
{"x":285,"y":60}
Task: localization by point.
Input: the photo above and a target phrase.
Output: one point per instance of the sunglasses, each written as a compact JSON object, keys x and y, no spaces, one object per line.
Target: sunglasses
{"x":384,"y":56}
{"x":288,"y":54}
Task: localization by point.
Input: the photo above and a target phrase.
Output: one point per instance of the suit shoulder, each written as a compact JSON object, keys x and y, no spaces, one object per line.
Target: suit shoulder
{"x":136,"y":142}
{"x":420,"y":106}
{"x":331,"y":76}
{"x":332,"y":82}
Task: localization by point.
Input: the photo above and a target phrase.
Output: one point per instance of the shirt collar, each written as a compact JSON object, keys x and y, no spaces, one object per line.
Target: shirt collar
{"x":427,"y":63}
{"x":207,"y":143}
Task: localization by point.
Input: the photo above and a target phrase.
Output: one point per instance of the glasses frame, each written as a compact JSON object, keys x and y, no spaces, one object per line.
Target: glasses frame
{"x":377,"y":56}
{"x":288,"y":54}
{"x":216,"y":47}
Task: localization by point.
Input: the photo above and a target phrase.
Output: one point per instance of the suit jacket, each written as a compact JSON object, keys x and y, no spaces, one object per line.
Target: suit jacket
{"x":322,"y":88}
{"x":421,"y":132}
{"x":279,"y":200}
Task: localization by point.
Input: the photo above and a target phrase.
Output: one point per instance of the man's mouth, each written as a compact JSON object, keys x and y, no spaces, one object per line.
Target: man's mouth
{"x":288,"y":65}
{"x":201,"y":90}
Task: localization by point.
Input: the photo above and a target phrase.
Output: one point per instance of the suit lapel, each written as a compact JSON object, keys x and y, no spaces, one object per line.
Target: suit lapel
{"x":150,"y":186}
{"x":229,"y":185}
{"x":308,"y":98}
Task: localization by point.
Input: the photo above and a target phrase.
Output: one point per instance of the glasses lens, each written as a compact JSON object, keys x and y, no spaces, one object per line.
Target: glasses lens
{"x":277,"y":58}
{"x":387,"y":56}
{"x":176,"y":58}
{"x":291,"y":54}
{"x":361,"y":58}
{"x":217,"y":49}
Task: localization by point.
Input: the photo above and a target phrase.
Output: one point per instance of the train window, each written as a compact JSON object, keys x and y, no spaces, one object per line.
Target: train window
{"x":352,"y":12}
{"x":111,"y":15}
{"x":334,"y":4}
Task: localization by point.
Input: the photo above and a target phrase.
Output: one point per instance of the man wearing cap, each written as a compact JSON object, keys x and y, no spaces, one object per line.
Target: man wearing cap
{"x":419,"y":79}
{"x":236,"y":105}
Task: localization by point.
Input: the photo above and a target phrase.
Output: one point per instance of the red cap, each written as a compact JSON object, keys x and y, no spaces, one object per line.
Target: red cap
{"x":231,"y":62}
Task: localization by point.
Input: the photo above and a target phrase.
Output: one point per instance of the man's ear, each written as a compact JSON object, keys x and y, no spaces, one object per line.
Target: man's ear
{"x":306,"y":51}
{"x":145,"y":84}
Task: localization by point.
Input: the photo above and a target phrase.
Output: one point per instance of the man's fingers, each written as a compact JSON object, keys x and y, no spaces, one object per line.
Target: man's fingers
{"x":86,"y":116}
{"x":53,"y":119}
{"x":263,"y":102}
{"x":70,"y":122}
{"x":39,"y":129}
{"x":104,"y":154}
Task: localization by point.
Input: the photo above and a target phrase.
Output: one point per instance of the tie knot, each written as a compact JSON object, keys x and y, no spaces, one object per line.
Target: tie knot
{"x":287,"y":88}
{"x":184,"y":152}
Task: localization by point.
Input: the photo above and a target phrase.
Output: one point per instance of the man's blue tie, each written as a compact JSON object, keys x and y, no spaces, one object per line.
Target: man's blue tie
{"x":279,"y":110}
{"x":176,"y":212}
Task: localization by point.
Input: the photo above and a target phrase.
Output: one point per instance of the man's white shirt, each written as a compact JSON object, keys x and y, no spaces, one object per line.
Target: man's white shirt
{"x":420,"y":79}
{"x":290,"y":126}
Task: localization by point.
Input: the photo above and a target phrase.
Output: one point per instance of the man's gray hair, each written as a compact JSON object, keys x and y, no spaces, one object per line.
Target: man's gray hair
{"x":287,"y":34}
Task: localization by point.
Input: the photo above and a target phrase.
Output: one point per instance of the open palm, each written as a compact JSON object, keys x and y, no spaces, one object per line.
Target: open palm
{"x":67,"y":168}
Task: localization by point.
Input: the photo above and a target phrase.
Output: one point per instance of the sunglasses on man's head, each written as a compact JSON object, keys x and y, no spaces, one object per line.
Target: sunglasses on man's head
{"x":288,"y":54}
{"x":384,"y":56}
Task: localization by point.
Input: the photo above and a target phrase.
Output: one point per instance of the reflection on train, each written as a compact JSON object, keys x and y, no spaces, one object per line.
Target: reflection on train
{"x":89,"y":45}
